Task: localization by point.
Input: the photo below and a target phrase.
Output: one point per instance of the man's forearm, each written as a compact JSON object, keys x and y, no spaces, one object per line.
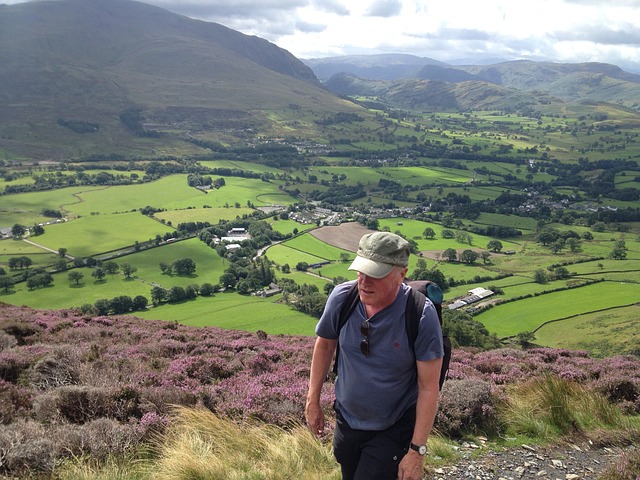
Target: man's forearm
{"x":321,"y":362}
{"x":427,"y":405}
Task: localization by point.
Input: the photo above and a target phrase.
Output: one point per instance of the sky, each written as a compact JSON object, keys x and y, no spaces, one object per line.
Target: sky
{"x":451,"y":31}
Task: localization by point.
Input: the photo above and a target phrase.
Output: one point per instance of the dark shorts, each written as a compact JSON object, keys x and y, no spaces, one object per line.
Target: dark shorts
{"x":372,"y":455}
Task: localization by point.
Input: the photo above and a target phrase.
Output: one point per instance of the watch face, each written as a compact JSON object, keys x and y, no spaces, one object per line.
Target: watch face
{"x":421,"y":449}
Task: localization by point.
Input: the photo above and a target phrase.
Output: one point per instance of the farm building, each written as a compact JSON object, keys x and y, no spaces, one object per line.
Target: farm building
{"x":474,"y":295}
{"x":269,"y":292}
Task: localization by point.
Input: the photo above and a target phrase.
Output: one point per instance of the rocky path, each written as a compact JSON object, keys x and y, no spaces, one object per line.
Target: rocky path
{"x":566,"y":462}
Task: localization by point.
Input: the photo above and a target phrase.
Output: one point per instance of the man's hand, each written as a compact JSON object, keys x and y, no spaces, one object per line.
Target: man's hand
{"x":315,"y":417}
{"x":411,"y":467}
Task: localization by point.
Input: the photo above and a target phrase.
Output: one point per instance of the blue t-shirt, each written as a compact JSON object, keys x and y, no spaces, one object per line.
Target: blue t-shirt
{"x":373,"y":392}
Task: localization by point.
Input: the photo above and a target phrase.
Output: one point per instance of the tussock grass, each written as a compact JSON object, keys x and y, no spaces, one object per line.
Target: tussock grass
{"x":200,"y":445}
{"x":552,"y":407}
{"x":626,"y":467}
{"x":111,"y":469}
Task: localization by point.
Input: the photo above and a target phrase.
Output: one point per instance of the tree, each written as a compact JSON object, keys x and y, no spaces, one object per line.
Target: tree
{"x":450,"y":254}
{"x":524,"y":339}
{"x":98,"y":273}
{"x":103,"y":306}
{"x":37,"y":230}
{"x":434,"y":275}
{"x":39,"y":280}
{"x":243,"y":287}
{"x":158,"y":295}
{"x":618,"y":253}
{"x":446,"y":233}
{"x":494,"y":245}
{"x":540,"y":276}
{"x":464,"y":237}
{"x":557,"y":246}
{"x":18,"y":230}
{"x":176,"y":294}
{"x":574,"y":244}
{"x":587,"y":236}
{"x":111,"y":267}
{"x":165,"y":268}
{"x":62,"y":252}
{"x":548,"y":236}
{"x":6,"y":282}
{"x":121,"y":304}
{"x":228,"y":280}
{"x":207,"y":290}
{"x":19,"y":262}
{"x":191,"y":291}
{"x":75,"y":276}
{"x":139,"y":302}
{"x":184,"y":266}
{"x":429,"y":233}
{"x":469,"y":257}
{"x":128,"y":269}
{"x":561,"y":273}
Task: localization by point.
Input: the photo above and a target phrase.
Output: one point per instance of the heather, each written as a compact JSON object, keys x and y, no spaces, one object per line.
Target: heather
{"x":76,"y":386}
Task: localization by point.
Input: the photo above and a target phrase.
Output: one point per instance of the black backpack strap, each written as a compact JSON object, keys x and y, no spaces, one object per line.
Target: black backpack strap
{"x":412,"y":315}
{"x":347,"y":308}
{"x":413,"y":319}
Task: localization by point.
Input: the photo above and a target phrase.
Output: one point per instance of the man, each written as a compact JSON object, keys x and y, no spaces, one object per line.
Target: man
{"x":386,"y":399}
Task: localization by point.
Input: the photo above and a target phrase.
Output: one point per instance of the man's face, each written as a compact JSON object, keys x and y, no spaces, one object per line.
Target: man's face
{"x":380,"y":292}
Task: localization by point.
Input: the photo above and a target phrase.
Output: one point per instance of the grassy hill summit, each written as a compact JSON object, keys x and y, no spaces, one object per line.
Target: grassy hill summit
{"x":93,"y":76}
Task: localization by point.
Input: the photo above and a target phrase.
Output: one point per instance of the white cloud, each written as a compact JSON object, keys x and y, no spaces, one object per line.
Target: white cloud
{"x":384,"y":8}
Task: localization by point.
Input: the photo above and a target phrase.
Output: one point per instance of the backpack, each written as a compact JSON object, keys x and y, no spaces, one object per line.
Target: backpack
{"x":420,"y":290}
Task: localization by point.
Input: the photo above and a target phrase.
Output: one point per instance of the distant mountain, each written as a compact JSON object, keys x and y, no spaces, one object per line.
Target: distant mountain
{"x":70,"y":69}
{"x":570,"y":81}
{"x":445,"y":74}
{"x":419,"y":94}
{"x":501,"y":85}
{"x":374,"y":67}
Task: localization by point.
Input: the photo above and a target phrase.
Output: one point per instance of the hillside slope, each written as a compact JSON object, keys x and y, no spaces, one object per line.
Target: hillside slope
{"x":87,"y":61}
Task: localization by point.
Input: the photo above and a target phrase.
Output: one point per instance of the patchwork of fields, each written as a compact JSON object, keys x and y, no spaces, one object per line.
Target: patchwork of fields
{"x":595,"y":306}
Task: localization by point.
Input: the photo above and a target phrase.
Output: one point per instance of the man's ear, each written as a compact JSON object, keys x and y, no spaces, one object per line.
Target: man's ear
{"x":403,"y":272}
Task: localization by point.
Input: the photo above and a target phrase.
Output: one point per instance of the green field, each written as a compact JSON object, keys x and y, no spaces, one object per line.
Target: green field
{"x":603,"y":333}
{"x":103,"y":218}
{"x":65,"y":294}
{"x":92,"y":235}
{"x":210,"y":215}
{"x":229,"y":310}
{"x":531,"y":313}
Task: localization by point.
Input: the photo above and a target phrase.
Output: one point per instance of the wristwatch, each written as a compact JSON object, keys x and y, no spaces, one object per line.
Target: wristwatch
{"x":421,"y":449}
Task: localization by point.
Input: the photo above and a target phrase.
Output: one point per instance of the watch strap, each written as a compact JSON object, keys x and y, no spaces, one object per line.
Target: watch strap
{"x":421,"y":449}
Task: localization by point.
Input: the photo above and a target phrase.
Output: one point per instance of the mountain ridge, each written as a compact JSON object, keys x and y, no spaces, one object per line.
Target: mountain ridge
{"x":89,"y":61}
{"x":506,"y":84}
